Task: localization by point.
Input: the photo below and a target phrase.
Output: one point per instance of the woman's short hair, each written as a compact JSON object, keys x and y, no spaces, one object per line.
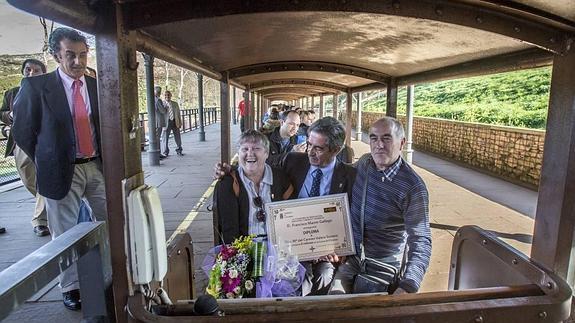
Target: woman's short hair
{"x":254,"y":136}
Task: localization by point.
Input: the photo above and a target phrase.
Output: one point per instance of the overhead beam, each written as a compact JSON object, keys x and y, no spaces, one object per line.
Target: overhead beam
{"x":166,"y":53}
{"x":290,"y":66}
{"x":370,"y":87}
{"x":78,"y":14}
{"x":529,"y":58}
{"x":294,"y":82}
{"x":531,"y":26}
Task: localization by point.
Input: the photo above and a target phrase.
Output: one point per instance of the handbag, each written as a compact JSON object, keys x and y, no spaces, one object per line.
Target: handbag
{"x":382,"y":277}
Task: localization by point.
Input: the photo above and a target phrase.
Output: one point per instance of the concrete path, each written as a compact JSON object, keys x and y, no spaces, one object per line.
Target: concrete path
{"x":183,"y":182}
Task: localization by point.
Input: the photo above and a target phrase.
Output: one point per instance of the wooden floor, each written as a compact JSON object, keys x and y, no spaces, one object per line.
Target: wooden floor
{"x":182,"y":181}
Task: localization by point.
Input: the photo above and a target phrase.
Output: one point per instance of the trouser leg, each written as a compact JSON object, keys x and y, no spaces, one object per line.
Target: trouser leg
{"x":318,"y":277}
{"x":166,"y":139}
{"x":344,"y":276}
{"x":63,"y":215}
{"x":178,"y":138}
{"x":27,"y":171}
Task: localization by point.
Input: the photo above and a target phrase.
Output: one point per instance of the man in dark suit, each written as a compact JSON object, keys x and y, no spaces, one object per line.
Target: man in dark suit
{"x":25,"y":166}
{"x":319,"y":173}
{"x":56,"y":123}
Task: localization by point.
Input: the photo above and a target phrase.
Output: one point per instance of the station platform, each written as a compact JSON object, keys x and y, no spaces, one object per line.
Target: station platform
{"x":458,"y":196}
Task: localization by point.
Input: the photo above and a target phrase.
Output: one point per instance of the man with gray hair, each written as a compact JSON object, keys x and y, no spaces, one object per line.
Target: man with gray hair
{"x":319,"y":174}
{"x":161,"y":119}
{"x":389,"y":212}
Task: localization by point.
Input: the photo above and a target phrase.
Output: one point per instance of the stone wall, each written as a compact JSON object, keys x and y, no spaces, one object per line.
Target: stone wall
{"x":513,"y":154}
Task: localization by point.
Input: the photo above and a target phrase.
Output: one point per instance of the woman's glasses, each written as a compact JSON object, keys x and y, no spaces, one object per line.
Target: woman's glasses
{"x":261,"y":215}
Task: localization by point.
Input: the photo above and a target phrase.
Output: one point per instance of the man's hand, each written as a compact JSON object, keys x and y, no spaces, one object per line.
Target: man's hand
{"x":221,"y":169}
{"x":399,"y":291}
{"x":333,"y":258}
{"x":300,"y":148}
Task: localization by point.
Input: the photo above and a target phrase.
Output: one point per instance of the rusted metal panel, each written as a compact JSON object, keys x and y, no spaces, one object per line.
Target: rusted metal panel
{"x":166,"y":53}
{"x":179,"y":280}
{"x":555,"y":217}
{"x":225,"y":140}
{"x":118,"y":103}
{"x":518,"y":24}
{"x":326,"y":86}
{"x":348,"y":116}
{"x":365,"y":73}
{"x":529,"y":58}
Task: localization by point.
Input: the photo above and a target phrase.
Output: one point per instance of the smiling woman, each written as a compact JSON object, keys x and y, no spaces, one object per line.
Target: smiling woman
{"x":240,"y":197}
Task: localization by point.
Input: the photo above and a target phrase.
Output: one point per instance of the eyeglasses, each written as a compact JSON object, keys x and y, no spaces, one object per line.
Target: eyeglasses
{"x":261,"y":215}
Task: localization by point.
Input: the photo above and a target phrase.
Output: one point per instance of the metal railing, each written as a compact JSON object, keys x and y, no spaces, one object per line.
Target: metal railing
{"x":190,"y":121}
{"x":85,"y":244}
{"x":8,"y":173}
{"x":190,"y":118}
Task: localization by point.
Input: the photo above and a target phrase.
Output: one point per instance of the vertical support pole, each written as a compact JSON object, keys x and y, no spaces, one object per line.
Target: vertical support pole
{"x":154,"y":145}
{"x":358,"y":121}
{"x":321,"y":105}
{"x":312,"y":102}
{"x":253,"y":110}
{"x":408,"y":152}
{"x":555,"y":219}
{"x":234,"y":106}
{"x":121,"y":157}
{"x":348,"y":115}
{"x":301,"y":102}
{"x":263,"y":110}
{"x":225,"y":129}
{"x":307,"y":103}
{"x":334,"y":105}
{"x":391,"y":109}
{"x":247,"y":108}
{"x":202,"y":133}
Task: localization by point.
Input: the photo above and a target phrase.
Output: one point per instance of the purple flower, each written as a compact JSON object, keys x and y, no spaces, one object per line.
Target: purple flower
{"x":227,"y":252}
{"x":228,"y":283}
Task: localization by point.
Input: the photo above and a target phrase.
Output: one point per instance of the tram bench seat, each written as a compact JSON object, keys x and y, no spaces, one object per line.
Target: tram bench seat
{"x":489,"y":281}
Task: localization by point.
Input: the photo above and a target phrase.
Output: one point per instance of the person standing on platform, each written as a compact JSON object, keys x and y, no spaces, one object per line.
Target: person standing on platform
{"x":174,"y":124}
{"x":25,"y":166}
{"x":56,"y":123}
{"x":242,"y":115}
{"x":161,"y":119}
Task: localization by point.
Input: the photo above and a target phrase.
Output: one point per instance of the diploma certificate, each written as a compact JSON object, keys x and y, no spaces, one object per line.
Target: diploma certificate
{"x":313,"y":227}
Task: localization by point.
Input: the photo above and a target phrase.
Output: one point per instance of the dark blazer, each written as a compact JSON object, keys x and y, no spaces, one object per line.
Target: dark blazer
{"x":43,"y":128}
{"x":231,"y":212}
{"x":7,"y":107}
{"x":277,"y":153}
{"x":296,"y":165}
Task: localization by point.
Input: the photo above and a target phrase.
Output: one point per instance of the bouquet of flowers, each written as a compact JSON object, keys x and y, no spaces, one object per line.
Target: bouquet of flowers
{"x":230,"y":275}
{"x":249,"y":268}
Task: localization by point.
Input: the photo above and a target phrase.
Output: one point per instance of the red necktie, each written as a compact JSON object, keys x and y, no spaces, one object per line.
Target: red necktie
{"x":82,"y":122}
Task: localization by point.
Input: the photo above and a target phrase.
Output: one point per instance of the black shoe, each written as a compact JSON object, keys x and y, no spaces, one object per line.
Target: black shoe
{"x":41,"y":230}
{"x":163,"y":156}
{"x":72,"y":300}
{"x":180,"y":153}
{"x":2,"y":230}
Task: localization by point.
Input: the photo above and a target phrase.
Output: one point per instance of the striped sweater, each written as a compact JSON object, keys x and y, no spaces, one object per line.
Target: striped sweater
{"x":396,"y":208}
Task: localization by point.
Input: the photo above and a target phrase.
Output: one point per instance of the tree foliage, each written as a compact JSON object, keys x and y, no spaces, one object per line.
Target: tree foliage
{"x":518,"y":99}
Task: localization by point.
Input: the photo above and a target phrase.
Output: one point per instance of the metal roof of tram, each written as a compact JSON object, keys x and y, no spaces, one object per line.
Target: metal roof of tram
{"x":352,"y":44}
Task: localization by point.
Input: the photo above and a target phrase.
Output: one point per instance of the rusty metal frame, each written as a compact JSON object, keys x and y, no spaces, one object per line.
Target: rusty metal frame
{"x":328,"y":86}
{"x":542,"y":296}
{"x":528,"y":58}
{"x":548,"y":32}
{"x":290,"y":66}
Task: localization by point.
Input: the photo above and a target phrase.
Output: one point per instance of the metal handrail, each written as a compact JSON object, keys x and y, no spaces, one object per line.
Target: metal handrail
{"x":85,"y":244}
{"x":190,"y":118}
